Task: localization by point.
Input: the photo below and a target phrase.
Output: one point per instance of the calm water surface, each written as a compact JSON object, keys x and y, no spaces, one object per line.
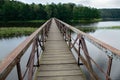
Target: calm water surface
{"x":100,"y":24}
{"x":112,"y":38}
{"x":108,"y":36}
{"x":7,"y":45}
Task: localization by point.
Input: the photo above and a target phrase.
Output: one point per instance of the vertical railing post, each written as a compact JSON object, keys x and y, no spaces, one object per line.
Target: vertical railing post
{"x":38,"y":64}
{"x":42,"y":36}
{"x":79,"y":52}
{"x":84,"y":48}
{"x":46,"y":29}
{"x":44,"y":33}
{"x":19,"y":71}
{"x":109,"y":67}
{"x":69,"y":38}
{"x":31,"y":61}
{"x":65,"y":33}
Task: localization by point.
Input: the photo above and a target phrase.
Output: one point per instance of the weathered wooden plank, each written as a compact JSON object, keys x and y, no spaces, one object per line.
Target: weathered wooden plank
{"x":62,"y":78}
{"x":57,"y":58}
{"x":59,"y":73}
{"x":55,"y":55}
{"x":56,"y":52}
{"x":57,"y":61}
{"x":59,"y":67}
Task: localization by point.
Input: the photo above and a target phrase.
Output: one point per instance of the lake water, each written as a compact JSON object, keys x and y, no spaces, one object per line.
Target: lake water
{"x":109,"y":36}
{"x":100,"y":24}
{"x":7,"y":45}
{"x":112,"y":38}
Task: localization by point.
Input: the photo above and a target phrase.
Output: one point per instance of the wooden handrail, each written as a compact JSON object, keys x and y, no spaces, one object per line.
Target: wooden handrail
{"x":14,"y":57}
{"x":111,"y":51}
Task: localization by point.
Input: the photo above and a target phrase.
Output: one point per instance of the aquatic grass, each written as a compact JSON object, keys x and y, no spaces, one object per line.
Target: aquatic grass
{"x":92,"y":29}
{"x":15,"y":31}
{"x":28,"y":21}
{"x":31,"y":23}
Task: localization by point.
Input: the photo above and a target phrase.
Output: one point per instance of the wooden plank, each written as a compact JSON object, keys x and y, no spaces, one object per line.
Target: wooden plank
{"x":57,"y":61}
{"x":59,"y":67}
{"x":62,"y":78}
{"x":57,"y":58}
{"x":56,"y":52}
{"x":59,"y":73}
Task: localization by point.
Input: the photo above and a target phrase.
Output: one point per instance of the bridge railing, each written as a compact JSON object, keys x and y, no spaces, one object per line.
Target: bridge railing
{"x":36,"y":40}
{"x":79,"y":46}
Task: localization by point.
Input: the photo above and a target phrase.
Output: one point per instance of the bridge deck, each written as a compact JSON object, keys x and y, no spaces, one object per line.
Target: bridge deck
{"x":57,"y":61}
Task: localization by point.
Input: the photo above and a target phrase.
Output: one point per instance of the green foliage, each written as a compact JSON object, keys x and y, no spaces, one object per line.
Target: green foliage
{"x":85,"y":13}
{"x":113,"y":14}
{"x":15,"y":31}
{"x":15,"y":10}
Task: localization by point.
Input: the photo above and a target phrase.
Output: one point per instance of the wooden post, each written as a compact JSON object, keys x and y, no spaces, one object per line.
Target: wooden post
{"x":79,"y":52}
{"x":69,"y":38}
{"x":19,"y":71}
{"x":42,"y":36}
{"x":38,"y":64}
{"x":84,"y":48}
{"x":109,"y":67}
{"x":65,"y":31}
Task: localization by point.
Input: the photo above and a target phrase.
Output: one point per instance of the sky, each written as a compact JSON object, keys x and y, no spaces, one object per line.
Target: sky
{"x":91,"y":3}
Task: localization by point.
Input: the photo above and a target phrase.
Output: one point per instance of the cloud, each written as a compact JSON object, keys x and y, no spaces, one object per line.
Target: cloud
{"x":105,"y":3}
{"x":91,"y":3}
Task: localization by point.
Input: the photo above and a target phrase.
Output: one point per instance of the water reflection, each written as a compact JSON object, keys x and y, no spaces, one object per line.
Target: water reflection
{"x":87,"y":29}
{"x":111,"y":37}
{"x":7,"y":45}
{"x":99,"y":24}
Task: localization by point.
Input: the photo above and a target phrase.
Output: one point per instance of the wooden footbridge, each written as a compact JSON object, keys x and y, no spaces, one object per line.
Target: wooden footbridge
{"x":51,"y":56}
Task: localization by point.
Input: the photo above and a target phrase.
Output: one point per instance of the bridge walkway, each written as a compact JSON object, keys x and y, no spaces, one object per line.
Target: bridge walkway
{"x":57,"y":61}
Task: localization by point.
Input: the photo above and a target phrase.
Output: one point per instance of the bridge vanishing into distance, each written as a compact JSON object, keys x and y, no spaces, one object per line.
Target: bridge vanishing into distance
{"x":51,"y":57}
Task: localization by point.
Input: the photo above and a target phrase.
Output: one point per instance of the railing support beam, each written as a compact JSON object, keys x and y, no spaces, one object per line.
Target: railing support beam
{"x":109,"y":67}
{"x":19,"y":71}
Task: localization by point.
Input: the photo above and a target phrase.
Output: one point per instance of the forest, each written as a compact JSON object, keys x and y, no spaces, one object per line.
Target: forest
{"x":11,"y":10}
{"x":110,"y":14}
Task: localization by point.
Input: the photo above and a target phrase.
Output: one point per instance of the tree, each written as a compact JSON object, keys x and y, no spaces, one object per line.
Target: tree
{"x":16,"y":10}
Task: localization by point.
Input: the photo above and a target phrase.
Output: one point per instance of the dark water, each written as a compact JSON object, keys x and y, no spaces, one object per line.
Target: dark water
{"x":109,"y":36}
{"x":21,"y":24}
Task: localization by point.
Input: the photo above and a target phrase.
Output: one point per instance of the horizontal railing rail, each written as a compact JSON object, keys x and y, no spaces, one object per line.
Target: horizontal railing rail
{"x":35,"y":40}
{"x":80,"y":42}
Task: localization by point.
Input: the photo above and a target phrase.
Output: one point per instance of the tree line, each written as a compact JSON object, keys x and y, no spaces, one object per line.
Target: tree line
{"x":11,"y":10}
{"x":113,"y":14}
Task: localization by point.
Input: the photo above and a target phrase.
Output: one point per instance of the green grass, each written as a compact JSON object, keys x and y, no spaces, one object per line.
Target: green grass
{"x":7,"y":32}
{"x":24,"y":21}
{"x":92,"y":29}
{"x":114,"y":27}
{"x":85,"y":21}
{"x":15,"y":31}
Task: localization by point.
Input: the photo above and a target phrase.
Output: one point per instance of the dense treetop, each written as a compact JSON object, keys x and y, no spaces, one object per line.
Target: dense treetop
{"x":113,"y":14}
{"x":15,"y":10}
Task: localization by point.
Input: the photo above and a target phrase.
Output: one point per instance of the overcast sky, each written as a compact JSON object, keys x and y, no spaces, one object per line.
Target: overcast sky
{"x":91,"y":3}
